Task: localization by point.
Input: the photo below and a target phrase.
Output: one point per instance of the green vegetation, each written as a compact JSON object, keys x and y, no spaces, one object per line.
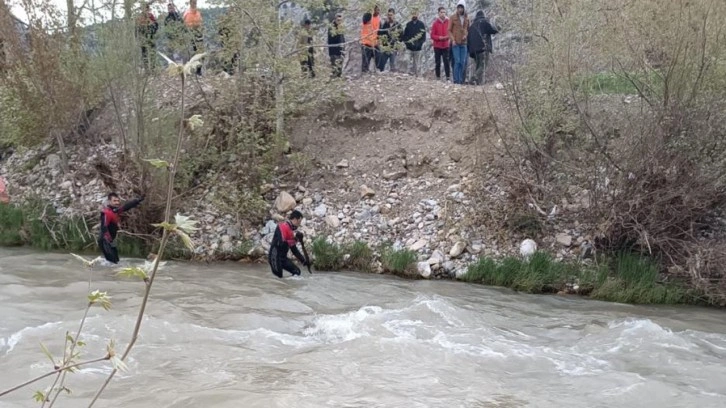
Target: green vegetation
{"x":625,"y":278}
{"x":400,"y":262}
{"x":328,"y":255}
{"x":617,"y":83}
{"x":360,"y":256}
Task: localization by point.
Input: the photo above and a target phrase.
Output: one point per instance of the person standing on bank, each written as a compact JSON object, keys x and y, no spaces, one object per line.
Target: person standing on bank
{"x":306,"y":50}
{"x":441,"y":41}
{"x":458,"y":31}
{"x":284,"y":240}
{"x":336,"y":39}
{"x":414,"y":36}
{"x":479,"y":45}
{"x":388,"y":37}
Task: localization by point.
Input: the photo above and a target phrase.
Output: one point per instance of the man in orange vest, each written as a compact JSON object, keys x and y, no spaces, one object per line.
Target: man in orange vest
{"x":195,"y":24}
{"x":368,"y":41}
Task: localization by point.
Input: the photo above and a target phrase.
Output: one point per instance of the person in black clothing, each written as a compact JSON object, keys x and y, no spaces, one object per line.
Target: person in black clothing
{"x":146,"y":27}
{"x":336,"y":39}
{"x":414,"y":36}
{"x":388,"y":36}
{"x":173,"y":29}
{"x":110,"y":217}
{"x":479,"y":45}
{"x":307,"y":58}
{"x":285,"y":239}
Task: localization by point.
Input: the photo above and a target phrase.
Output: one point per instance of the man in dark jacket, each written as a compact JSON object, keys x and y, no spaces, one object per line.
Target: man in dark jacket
{"x":336,"y":39}
{"x":479,"y":45}
{"x":414,"y":36}
{"x":284,"y":240}
{"x":388,"y":36}
{"x":110,"y":217}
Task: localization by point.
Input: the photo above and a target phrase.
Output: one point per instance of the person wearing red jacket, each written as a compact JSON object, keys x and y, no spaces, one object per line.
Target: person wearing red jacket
{"x":284,"y":240}
{"x":440,"y":38}
{"x":110,"y":218}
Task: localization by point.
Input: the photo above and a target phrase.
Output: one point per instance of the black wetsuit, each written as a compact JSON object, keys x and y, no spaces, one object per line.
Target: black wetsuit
{"x":110,"y":217}
{"x":283,"y":241}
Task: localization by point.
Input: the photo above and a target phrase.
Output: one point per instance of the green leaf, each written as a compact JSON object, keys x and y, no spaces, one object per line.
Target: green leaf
{"x":102,"y":298}
{"x":118,"y":364}
{"x":185,"y":223}
{"x":195,"y":121}
{"x":133,"y":272}
{"x":158,"y":163}
{"x":39,"y":396}
{"x":186,"y":240}
{"x":165,"y":225}
{"x":80,"y":343}
{"x":47,"y":353}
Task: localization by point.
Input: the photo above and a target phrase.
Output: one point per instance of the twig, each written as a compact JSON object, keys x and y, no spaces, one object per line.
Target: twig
{"x":162,"y":246}
{"x":56,"y":371}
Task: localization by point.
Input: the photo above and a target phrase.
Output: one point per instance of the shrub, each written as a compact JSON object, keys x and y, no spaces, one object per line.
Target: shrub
{"x":328,"y":255}
{"x":361,"y":256}
{"x":11,"y":223}
{"x":400,"y":262}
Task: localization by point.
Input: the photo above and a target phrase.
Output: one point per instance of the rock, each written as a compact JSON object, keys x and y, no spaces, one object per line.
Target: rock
{"x":455,"y":156}
{"x":499,"y":86}
{"x":460,"y":273}
{"x":320,"y":210}
{"x":436,"y":258}
{"x":424,"y":269}
{"x":256,"y":252}
{"x":66,"y":185}
{"x":269,"y":227}
{"x":53,"y":161}
{"x":418,"y":245}
{"x":475,"y":247}
{"x":266,"y":188}
{"x":278,"y":217}
{"x":332,"y":221}
{"x":395,"y":175}
{"x":457,"y":249}
{"x":285,"y":202}
{"x":563,"y":239}
{"x":527,"y":248}
{"x":233,"y":231}
{"x":343,"y":164}
{"x":307,"y":201}
{"x":449,"y":266}
{"x":454,"y":188}
{"x":366,"y":192}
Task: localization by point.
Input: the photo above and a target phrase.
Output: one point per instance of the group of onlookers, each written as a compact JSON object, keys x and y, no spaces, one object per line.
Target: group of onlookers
{"x":178,"y":28}
{"x":454,"y":40}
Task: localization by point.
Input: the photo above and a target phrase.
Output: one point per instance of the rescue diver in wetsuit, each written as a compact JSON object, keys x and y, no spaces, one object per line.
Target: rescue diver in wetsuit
{"x":110,"y":217}
{"x":285,"y":239}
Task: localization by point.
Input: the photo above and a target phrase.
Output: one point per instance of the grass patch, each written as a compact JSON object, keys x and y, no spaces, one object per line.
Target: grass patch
{"x":11,"y":223}
{"x":611,"y":83}
{"x":625,"y":278}
{"x":328,"y":255}
{"x":361,"y":256}
{"x":400,"y":262}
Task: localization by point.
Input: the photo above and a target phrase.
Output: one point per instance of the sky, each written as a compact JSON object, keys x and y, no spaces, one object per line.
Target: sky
{"x":159,"y":5}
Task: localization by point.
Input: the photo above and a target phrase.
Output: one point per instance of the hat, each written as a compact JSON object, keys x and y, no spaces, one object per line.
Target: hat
{"x":461,"y":3}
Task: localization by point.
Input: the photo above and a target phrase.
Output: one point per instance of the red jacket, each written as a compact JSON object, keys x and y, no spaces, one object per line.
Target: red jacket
{"x":440,"y":33}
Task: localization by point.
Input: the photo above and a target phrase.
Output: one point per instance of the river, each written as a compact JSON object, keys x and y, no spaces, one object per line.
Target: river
{"x":233,"y":335}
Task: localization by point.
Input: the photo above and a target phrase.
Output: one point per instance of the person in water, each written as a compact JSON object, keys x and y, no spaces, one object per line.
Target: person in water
{"x":284,"y":239}
{"x":110,"y":217}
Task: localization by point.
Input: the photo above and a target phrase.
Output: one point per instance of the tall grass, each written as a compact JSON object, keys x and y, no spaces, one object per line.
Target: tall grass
{"x":360,"y":256}
{"x":399,"y":262}
{"x":328,"y":255}
{"x":11,"y":223}
{"x":625,"y":278}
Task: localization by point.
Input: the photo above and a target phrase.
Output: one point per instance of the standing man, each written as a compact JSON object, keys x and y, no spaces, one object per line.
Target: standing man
{"x":480,"y":45}
{"x":458,"y":30}
{"x":388,"y":37}
{"x":414,"y":36}
{"x":146,"y":27}
{"x":440,"y":39}
{"x":336,"y":39}
{"x":194,"y":23}
{"x":284,"y":240}
{"x":110,"y":218}
{"x":376,"y":23}
{"x":173,"y":29}
{"x":368,"y":41}
{"x":307,"y":57}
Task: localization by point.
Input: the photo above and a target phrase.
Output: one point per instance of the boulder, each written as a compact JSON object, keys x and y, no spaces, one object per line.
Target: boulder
{"x":424,"y":269}
{"x":342,"y":164}
{"x":457,"y":249}
{"x":285,"y":202}
{"x":418,"y":245}
{"x":320,"y":211}
{"x":332,"y":221}
{"x":527,"y":248}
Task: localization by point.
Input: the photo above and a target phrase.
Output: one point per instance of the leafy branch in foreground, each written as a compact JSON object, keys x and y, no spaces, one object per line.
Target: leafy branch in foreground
{"x":182,"y":227}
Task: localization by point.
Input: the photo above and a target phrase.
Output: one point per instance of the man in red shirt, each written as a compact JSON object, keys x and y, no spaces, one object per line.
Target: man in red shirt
{"x":284,"y":240}
{"x":110,"y":218}
{"x":440,"y":38}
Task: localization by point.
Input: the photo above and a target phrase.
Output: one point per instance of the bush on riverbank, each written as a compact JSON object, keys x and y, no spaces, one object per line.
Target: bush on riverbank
{"x":626,"y":278}
{"x":329,"y":256}
{"x":400,"y":262}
